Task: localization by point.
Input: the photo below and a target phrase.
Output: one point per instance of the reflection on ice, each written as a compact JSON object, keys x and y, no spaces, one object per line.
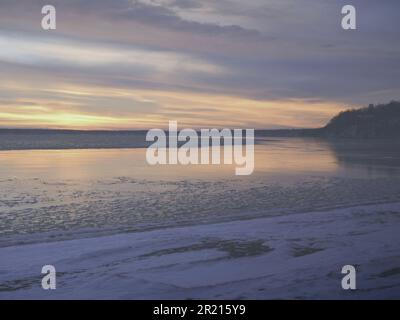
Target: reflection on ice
{"x":69,"y":193}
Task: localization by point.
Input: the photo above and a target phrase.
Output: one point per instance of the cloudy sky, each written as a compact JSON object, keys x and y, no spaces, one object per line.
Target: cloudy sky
{"x":136,"y":64}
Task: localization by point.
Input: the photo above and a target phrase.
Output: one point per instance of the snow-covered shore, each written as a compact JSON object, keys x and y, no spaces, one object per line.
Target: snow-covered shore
{"x":294,"y":256}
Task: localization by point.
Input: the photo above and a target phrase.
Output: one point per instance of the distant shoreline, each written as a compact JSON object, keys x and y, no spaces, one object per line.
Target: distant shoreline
{"x":380,"y":121}
{"x":259,"y":132}
{"x":53,"y":139}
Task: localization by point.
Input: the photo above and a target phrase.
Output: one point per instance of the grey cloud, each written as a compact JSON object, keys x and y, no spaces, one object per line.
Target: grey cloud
{"x":165,"y":17}
{"x":298,"y":49}
{"x":187,"y":4}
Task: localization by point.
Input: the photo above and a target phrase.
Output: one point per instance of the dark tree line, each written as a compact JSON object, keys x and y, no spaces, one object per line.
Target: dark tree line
{"x":374,"y":121}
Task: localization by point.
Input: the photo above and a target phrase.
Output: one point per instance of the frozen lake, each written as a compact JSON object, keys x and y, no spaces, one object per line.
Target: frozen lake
{"x":48,"y":197}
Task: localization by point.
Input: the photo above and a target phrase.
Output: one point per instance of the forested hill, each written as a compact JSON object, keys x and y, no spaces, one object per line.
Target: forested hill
{"x":374,"y":121}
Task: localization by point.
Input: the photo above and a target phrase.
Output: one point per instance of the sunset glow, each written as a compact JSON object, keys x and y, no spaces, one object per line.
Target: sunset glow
{"x":148,"y":62}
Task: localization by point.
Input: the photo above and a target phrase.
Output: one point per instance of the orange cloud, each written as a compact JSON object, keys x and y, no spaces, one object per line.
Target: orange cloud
{"x":190,"y":109}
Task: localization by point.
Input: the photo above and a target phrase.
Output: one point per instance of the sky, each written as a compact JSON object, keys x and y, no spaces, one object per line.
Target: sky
{"x":137,"y":64}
